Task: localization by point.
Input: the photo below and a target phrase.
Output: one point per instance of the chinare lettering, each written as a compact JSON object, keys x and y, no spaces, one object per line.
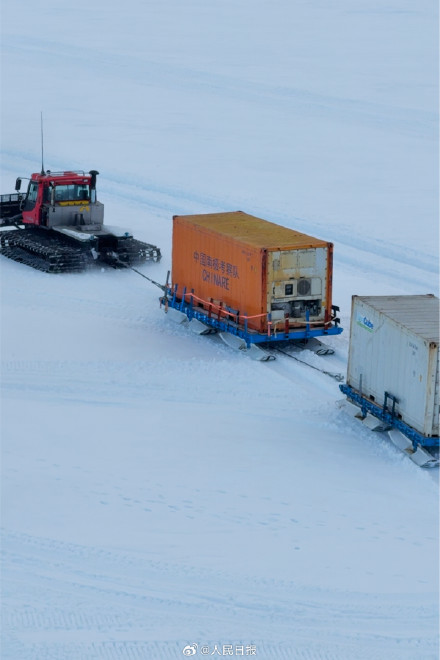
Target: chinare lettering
{"x":214,"y":278}
{"x":216,"y":271}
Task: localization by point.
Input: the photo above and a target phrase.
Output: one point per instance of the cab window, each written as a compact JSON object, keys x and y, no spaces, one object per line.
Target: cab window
{"x":72,"y":193}
{"x":31,"y":197}
{"x":33,"y":192}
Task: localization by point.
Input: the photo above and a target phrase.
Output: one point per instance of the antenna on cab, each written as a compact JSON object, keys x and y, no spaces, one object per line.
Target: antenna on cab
{"x":42,"y":146}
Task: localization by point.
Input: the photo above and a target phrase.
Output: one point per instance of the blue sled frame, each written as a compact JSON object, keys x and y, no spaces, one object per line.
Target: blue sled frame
{"x":387,"y":415}
{"x":215,"y":321}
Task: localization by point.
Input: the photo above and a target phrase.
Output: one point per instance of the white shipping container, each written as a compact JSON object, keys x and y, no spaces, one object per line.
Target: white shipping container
{"x":394,"y":348}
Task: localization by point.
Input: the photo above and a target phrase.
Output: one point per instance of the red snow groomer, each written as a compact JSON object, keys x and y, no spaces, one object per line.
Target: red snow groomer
{"x":58,"y":226}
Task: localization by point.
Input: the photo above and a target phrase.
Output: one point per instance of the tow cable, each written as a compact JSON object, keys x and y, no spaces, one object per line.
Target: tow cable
{"x":125,"y":265}
{"x":338,"y":377}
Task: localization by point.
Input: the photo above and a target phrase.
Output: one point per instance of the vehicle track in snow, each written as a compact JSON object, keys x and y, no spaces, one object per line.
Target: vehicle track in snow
{"x":380,"y":116}
{"x":83,"y":602}
{"x":101,"y":603}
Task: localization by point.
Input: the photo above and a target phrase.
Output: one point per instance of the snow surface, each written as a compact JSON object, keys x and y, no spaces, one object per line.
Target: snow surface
{"x":158,"y":489}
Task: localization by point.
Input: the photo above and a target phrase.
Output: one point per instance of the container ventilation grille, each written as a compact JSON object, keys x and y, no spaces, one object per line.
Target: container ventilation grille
{"x":304,"y":287}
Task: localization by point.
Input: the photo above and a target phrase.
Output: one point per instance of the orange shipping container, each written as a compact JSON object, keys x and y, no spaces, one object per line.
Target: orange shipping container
{"x":254,"y":267}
